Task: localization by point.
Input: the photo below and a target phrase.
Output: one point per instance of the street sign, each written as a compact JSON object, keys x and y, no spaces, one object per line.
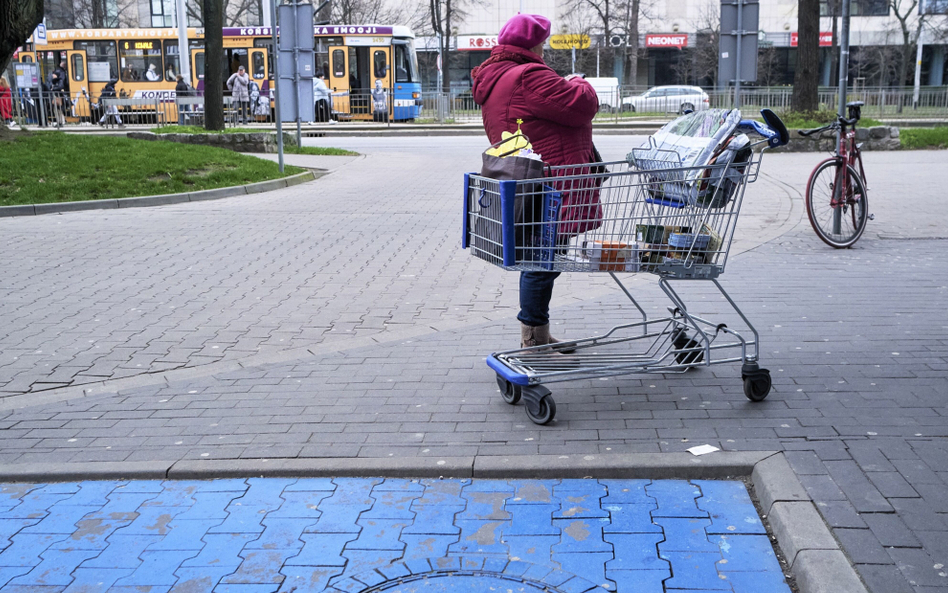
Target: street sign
{"x":576,"y":41}
{"x":296,"y":63}
{"x":739,"y":29}
{"x":27,"y":75}
{"x":39,"y":35}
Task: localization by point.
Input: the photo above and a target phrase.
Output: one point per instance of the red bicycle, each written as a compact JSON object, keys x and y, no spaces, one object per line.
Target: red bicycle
{"x":836,"y":201}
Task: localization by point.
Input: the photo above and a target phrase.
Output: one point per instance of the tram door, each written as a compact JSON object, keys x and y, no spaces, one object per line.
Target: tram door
{"x":76,"y":66}
{"x":197,"y":68}
{"x":339,"y":79}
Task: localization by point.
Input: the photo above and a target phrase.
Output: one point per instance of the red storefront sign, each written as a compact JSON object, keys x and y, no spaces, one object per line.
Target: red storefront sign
{"x":826,"y":39}
{"x":678,"y":40}
{"x":476,"y":42}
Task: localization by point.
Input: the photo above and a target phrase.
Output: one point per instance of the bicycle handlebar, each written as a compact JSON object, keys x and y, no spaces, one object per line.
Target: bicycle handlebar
{"x":840,"y":120}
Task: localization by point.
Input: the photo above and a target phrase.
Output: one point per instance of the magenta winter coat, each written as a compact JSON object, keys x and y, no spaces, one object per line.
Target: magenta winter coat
{"x":513,"y":84}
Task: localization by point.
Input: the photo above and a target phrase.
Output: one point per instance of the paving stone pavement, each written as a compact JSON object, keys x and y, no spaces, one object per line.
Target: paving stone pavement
{"x":855,"y":341}
{"x":354,"y":534}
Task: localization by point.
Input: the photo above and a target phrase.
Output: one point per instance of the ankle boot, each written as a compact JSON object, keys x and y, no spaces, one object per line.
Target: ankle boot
{"x":540,"y":336}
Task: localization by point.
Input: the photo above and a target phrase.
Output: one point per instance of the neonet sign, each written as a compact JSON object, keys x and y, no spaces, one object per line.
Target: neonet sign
{"x":678,"y":40}
{"x":826,"y":39}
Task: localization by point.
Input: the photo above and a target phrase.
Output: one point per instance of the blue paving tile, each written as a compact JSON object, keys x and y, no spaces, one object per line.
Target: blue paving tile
{"x":184,"y":535}
{"x":580,"y":504}
{"x":379,"y":534}
{"x":62,"y":519}
{"x":729,"y":506}
{"x":7,"y":573}
{"x":626,"y":492}
{"x":56,"y":568}
{"x":531,"y":519}
{"x":579,"y":585}
{"x":695,"y":570}
{"x":59,"y":488}
{"x":685,"y":535}
{"x":219,"y":549}
{"x":223,"y":485}
{"x":433,"y":520}
{"x":485,"y":506}
{"x":400,"y":485}
{"x":122,"y":501}
{"x":246,"y":588}
{"x":300,"y":505}
{"x":446,"y":493}
{"x":630,"y":518}
{"x":209,"y":505}
{"x":140,"y":486}
{"x":479,"y":538}
{"x":746,"y":553}
{"x":123,"y":551}
{"x":202,"y":578}
{"x":10,"y":527}
{"x":303,"y":579}
{"x":174,"y":495}
{"x":321,"y":549}
{"x":156,"y":569}
{"x":152,"y":519}
{"x":95,"y":580}
{"x":635,"y":552}
{"x":371,"y":578}
{"x":531,"y":548}
{"x":363,"y":560}
{"x":311,"y":485}
{"x":418,"y":565}
{"x":590,"y":566}
{"x":244,"y":514}
{"x":393,"y":504}
{"x":137,"y":589}
{"x":35,"y":505}
{"x":675,"y":498}
{"x":755,"y":582}
{"x":581,"y":535}
{"x":33,"y":589}
{"x":12,"y":494}
{"x":426,"y":545}
{"x":93,"y":493}
{"x":280,"y":534}
{"x":640,"y":581}
{"x":533,"y":491}
{"x":27,"y":548}
{"x":260,"y":567}
{"x":494,"y":564}
{"x":582,"y":487}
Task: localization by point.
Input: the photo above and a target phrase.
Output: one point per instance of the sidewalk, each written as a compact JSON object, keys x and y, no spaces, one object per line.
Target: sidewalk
{"x":362,"y":330}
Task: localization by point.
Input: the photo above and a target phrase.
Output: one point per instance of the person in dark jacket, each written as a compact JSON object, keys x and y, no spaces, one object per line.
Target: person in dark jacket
{"x":514,"y":84}
{"x":108,"y":92}
{"x":182,"y":90}
{"x":57,"y":98}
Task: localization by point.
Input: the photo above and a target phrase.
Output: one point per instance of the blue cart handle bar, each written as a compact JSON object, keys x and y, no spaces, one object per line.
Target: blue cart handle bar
{"x":775,"y":133}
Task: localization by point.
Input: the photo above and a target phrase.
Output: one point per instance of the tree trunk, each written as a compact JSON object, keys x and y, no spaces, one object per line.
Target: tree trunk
{"x":806,"y":80}
{"x":446,"y":46}
{"x":18,"y":18}
{"x":632,"y":42}
{"x":213,"y":60}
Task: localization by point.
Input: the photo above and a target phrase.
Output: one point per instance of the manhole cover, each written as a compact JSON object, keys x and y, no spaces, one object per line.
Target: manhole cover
{"x":437,"y":582}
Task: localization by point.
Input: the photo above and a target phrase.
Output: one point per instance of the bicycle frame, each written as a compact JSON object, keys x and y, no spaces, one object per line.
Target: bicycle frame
{"x":847,"y":154}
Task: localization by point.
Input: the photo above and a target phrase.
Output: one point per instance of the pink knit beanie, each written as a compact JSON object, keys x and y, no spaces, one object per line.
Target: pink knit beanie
{"x":525,"y":30}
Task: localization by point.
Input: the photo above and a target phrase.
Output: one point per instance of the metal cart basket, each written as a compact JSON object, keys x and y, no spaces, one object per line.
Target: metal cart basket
{"x":645,"y":214}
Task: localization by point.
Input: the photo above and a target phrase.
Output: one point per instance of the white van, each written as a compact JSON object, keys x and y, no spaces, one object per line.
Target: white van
{"x":607,"y":89}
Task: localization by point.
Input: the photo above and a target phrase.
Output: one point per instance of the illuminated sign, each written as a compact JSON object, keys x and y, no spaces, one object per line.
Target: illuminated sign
{"x":132,"y":45}
{"x":574,"y":41}
{"x":667,"y":40}
{"x":826,"y":39}
{"x":476,"y":42}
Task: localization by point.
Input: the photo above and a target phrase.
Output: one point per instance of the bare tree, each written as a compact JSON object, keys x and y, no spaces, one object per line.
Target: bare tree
{"x":18,"y":19}
{"x":366,"y":11}
{"x":806,"y":79}
{"x":608,"y":18}
{"x":104,"y":14}
{"x":444,"y":15}
{"x":904,"y":11}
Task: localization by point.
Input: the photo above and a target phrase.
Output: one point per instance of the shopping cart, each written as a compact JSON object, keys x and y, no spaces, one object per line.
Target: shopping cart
{"x":645,"y":214}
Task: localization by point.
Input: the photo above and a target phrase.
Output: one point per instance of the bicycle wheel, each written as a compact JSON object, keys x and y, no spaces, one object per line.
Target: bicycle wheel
{"x":838,"y":220}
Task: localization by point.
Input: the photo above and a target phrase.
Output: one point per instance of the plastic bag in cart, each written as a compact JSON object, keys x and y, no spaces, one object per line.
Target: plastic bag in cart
{"x":675,"y":154}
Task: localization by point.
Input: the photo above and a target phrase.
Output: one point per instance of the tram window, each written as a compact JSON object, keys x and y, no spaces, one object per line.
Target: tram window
{"x":402,"y":64}
{"x":172,"y":60}
{"x":78,"y":68}
{"x":103,"y":65}
{"x":26,"y":58}
{"x":258,"y":64}
{"x":381,"y":69}
{"x":338,"y":63}
{"x":199,"y":66}
{"x":140,"y":60}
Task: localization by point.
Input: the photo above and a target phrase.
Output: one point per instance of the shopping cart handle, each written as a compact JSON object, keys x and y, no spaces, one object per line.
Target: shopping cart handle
{"x":773,"y":130}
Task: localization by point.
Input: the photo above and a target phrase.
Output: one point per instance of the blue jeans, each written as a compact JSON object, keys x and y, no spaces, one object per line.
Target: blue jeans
{"x":536,"y":290}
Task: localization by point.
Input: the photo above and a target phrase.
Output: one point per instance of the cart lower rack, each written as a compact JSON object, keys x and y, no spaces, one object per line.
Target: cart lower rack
{"x":645,"y":214}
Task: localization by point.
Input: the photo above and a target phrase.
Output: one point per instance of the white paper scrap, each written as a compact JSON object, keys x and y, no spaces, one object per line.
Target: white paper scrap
{"x":702,"y":450}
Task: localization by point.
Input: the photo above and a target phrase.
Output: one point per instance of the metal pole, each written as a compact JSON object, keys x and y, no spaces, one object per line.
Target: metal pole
{"x":918,"y":69}
{"x":740,"y":38}
{"x":843,"y":65}
{"x":184,"y":49}
{"x":276,"y":83}
{"x":574,"y":60}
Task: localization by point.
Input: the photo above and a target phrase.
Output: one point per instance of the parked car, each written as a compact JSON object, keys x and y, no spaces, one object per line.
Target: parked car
{"x":665,"y":99}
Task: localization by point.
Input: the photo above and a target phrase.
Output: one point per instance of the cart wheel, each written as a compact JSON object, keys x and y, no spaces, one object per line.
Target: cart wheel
{"x":546,"y":410}
{"x":509,"y":391}
{"x":757,"y":385}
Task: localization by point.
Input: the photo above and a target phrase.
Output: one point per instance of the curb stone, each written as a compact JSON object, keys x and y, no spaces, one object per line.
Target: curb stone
{"x":819,"y":568}
{"x":159,"y":200}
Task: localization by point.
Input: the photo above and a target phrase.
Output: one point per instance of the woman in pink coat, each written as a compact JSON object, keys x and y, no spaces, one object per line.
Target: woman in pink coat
{"x":514,"y":83}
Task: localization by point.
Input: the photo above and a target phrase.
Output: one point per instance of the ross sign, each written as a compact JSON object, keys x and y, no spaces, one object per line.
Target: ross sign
{"x":476,"y":42}
{"x":677,"y":40}
{"x":571,"y":41}
{"x":826,"y":39}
